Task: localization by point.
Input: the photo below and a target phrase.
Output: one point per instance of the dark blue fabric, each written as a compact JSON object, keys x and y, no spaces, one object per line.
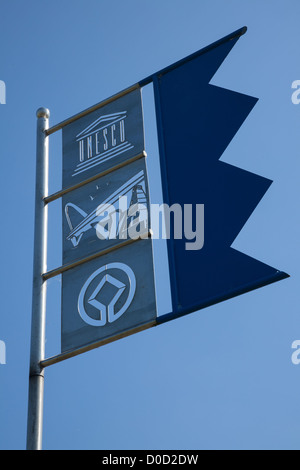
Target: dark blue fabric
{"x":196,"y":123}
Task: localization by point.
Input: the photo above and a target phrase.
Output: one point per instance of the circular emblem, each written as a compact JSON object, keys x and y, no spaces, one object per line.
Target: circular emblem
{"x":101,"y":294}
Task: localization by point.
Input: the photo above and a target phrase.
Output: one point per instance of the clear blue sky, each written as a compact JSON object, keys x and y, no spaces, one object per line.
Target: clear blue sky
{"x":218,"y":379}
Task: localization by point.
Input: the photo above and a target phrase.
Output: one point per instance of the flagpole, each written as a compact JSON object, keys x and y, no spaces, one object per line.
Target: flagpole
{"x":37,"y":350}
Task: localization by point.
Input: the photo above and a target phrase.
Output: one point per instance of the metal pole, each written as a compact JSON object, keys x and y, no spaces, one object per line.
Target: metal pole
{"x":37,"y":350}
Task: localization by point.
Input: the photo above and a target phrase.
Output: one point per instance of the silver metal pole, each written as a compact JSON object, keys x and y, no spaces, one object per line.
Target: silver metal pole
{"x":38,"y":320}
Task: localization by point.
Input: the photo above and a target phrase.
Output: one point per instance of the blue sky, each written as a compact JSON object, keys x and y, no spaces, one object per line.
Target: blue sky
{"x":218,"y":379}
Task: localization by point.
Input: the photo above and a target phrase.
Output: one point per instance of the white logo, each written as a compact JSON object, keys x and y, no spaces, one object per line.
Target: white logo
{"x":106,"y":213}
{"x":98,"y":300}
{"x":101,"y":141}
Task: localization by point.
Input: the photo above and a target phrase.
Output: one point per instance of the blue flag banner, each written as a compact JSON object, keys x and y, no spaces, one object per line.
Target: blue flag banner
{"x":109,"y":285}
{"x":196,"y":122}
